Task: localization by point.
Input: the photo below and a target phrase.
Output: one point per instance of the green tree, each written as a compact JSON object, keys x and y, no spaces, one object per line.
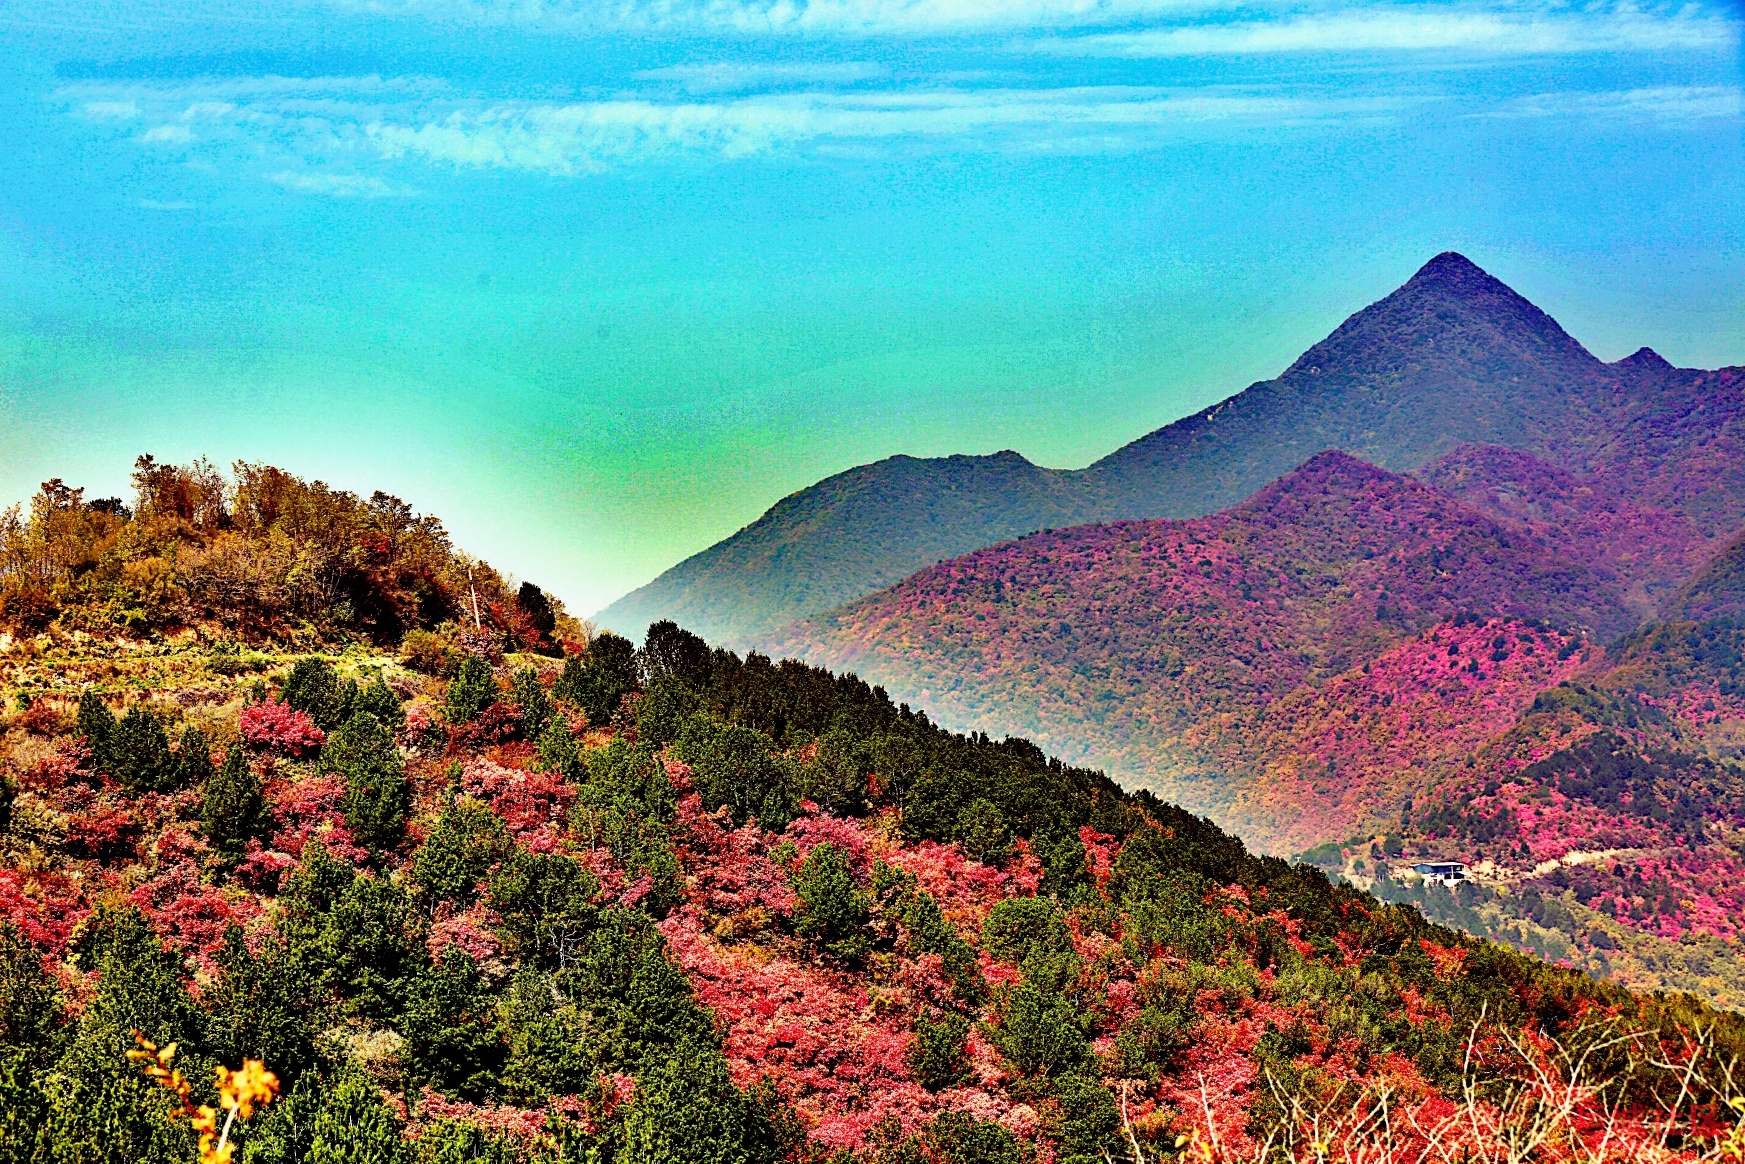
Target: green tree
{"x":97,"y":724}
{"x":467,"y":840}
{"x":139,"y":752}
{"x":835,"y":780}
{"x":367,"y":948}
{"x":376,"y":794}
{"x":313,"y":687}
{"x":193,"y":760}
{"x":737,"y":767}
{"x":265,"y":1004}
{"x":833,"y":909}
{"x":30,"y":1010}
{"x":354,"y":1126}
{"x":1041,"y":1031}
{"x":102,"y":1110}
{"x":687,"y":1111}
{"x":981,"y":830}
{"x":527,"y":693}
{"x":598,"y":679}
{"x":473,"y":689}
{"x":546,"y":901}
{"x":450,"y":1025}
{"x":939,"y":1056}
{"x":379,"y":700}
{"x":232,"y":812}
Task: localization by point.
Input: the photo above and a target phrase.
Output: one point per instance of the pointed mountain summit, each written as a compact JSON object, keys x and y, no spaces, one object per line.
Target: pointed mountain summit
{"x":1646,"y":359}
{"x":1453,"y":356}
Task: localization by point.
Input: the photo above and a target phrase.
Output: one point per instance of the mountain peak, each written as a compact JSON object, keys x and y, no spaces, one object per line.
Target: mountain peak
{"x":1450,"y":267}
{"x":1645,"y":358}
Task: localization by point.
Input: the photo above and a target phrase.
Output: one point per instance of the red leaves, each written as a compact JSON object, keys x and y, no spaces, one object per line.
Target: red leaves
{"x":274,"y":727}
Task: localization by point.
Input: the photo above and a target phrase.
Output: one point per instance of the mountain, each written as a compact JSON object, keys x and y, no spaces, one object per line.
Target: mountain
{"x":1452,"y":357}
{"x":761,"y":914}
{"x":1122,"y":641}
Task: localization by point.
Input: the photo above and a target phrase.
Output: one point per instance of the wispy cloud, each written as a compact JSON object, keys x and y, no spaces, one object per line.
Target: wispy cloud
{"x":592,"y":136}
{"x":1491,"y":30}
{"x":340,"y":185}
{"x":851,"y":17}
{"x":1665,"y":103}
{"x":739,"y":76}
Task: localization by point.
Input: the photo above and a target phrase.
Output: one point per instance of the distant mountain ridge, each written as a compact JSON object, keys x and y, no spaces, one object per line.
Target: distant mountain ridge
{"x":1119,"y":642}
{"x":1453,"y":356}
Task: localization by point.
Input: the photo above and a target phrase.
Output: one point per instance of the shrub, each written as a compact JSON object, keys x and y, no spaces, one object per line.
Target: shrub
{"x":430,"y":653}
{"x":274,"y":727}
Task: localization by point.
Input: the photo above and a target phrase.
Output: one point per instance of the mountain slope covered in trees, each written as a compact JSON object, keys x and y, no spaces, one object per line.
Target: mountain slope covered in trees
{"x":610,"y":903}
{"x":1452,"y":357}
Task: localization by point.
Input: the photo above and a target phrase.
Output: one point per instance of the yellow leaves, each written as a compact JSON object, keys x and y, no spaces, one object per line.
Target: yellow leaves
{"x":244,"y":1088}
{"x":239,"y":1092}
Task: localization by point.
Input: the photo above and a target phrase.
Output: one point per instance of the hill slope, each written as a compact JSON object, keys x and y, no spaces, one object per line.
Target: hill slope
{"x":1453,"y":356}
{"x":1120,"y":641}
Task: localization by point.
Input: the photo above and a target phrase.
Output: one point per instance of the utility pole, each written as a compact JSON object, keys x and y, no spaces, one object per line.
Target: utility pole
{"x":478,"y":626}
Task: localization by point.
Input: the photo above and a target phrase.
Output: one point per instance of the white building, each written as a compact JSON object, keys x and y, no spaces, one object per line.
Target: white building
{"x":1442,"y":872}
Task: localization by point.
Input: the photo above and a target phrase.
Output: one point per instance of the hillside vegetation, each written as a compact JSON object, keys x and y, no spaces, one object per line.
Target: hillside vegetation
{"x":671,"y":904}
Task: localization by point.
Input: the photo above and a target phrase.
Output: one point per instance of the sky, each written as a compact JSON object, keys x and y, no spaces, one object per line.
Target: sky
{"x":599,"y":281}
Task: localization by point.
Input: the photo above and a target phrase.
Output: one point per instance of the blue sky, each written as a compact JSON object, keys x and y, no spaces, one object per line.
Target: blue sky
{"x":598,"y":282}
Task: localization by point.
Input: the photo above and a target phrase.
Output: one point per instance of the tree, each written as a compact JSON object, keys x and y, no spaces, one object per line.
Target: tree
{"x":467,"y":840}
{"x":546,"y":903}
{"x":231,"y":809}
{"x":354,"y":1126}
{"x":528,"y":694}
{"x":193,"y":760}
{"x":473,"y":689}
{"x":313,"y":688}
{"x":380,"y":701}
{"x":939,"y":1056}
{"x":450,"y":1025}
{"x":264,"y":1005}
{"x":833,"y":909}
{"x":687,"y":1111}
{"x":598,"y":679}
{"x":376,"y":794}
{"x":97,"y":724}
{"x":668,"y":650}
{"x":139,"y":751}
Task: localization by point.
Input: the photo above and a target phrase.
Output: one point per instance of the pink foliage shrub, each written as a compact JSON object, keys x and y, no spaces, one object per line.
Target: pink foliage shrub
{"x":275,"y":727}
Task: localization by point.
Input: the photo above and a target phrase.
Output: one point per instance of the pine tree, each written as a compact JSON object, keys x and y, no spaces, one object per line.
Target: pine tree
{"x":833,"y":909}
{"x":528,"y":694}
{"x":140,"y":752}
{"x":193,"y":760}
{"x":313,"y":687}
{"x":376,"y":795}
{"x":97,"y":724}
{"x":354,"y":1126}
{"x":467,"y":840}
{"x":231,"y":810}
{"x":473,"y":689}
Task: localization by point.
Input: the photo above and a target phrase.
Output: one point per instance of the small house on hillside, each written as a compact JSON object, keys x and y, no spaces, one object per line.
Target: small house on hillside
{"x":1441,"y":872}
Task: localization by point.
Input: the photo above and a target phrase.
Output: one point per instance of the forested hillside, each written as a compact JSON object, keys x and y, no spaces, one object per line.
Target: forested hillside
{"x":1452,"y":357}
{"x":664,"y":903}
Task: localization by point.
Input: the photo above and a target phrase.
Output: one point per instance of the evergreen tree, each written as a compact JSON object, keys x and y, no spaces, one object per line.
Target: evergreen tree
{"x":193,"y":760}
{"x":376,"y":794}
{"x":379,"y":700}
{"x":528,"y":694}
{"x":473,"y":689}
{"x":687,"y":1111}
{"x":467,"y":840}
{"x":597,"y":680}
{"x":313,"y":686}
{"x":353,"y":1126}
{"x":264,"y":1005}
{"x":833,"y":909}
{"x":139,"y":751}
{"x":97,"y":724}
{"x":450,"y":1025}
{"x":231,"y":809}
